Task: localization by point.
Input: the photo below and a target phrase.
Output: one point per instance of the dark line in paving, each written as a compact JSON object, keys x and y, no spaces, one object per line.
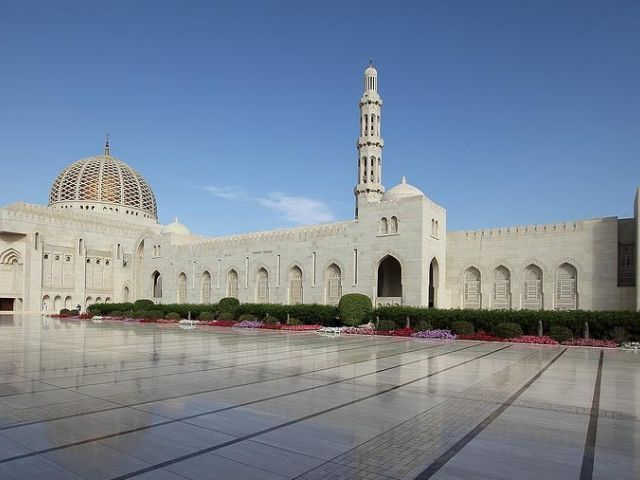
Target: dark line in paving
{"x":301,"y":419}
{"x":586,"y":471}
{"x":464,"y":441}
{"x":231,"y":407}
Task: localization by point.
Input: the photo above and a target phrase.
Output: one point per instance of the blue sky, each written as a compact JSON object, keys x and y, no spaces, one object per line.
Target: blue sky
{"x":243,"y":115}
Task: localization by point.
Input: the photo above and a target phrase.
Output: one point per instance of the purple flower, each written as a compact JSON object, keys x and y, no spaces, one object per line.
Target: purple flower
{"x":441,"y":334}
{"x":248,"y":324}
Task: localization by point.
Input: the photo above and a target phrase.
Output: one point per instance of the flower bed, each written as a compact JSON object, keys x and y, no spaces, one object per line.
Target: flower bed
{"x":590,"y":342}
{"x":435,"y":334}
{"x":249,"y":324}
{"x":533,"y":339}
{"x":299,"y":328}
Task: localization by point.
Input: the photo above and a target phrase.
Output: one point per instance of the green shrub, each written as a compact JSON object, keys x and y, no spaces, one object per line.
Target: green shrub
{"x":246,"y":316}
{"x":143,"y":305}
{"x":226,"y":316}
{"x":354,"y":309}
{"x":386,"y":325}
{"x":462,"y":327}
{"x":421,"y":326}
{"x":228,"y":304}
{"x":269,"y":320}
{"x":116,"y":313}
{"x":74,"y":313}
{"x":560,"y":333}
{"x":295,"y":321}
{"x":618,"y":335}
{"x":508,"y":330}
{"x":150,"y":314}
{"x":206,"y":316}
{"x":173,"y":316}
{"x":65,"y":311}
{"x":95,"y":311}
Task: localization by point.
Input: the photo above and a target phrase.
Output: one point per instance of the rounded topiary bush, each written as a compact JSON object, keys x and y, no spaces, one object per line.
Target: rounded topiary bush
{"x":74,"y":313}
{"x":422,"y":325}
{"x":246,"y":317}
{"x":354,"y":309}
{"x":462,"y":327}
{"x":150,"y":314}
{"x":173,"y":316}
{"x":206,"y":316}
{"x":560,"y":333}
{"x":295,"y":322}
{"x":228,"y":304}
{"x":386,"y":325}
{"x":143,"y":304}
{"x":508,"y":330}
{"x":269,"y":320}
{"x":65,"y":311}
{"x":226,"y":316}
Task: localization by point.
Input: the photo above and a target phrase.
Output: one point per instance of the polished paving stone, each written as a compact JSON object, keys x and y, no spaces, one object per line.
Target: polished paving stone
{"x":88,"y":400}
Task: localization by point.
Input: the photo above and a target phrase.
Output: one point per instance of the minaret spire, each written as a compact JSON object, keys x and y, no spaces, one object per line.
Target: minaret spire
{"x":107,"y":149}
{"x":370,"y":144}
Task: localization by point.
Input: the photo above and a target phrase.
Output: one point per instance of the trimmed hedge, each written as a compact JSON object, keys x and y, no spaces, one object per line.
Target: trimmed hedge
{"x":143,"y":304}
{"x":603,"y":324}
{"x":355,"y":309}
{"x":173,"y":316}
{"x":462,"y":327}
{"x":228,"y":304}
{"x":508,"y":330}
{"x":560,"y":333}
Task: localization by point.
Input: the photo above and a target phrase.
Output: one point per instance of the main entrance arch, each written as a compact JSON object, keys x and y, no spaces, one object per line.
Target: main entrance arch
{"x":389,"y":290}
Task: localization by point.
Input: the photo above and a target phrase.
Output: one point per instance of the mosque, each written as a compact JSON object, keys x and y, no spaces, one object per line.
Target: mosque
{"x":99,"y":240}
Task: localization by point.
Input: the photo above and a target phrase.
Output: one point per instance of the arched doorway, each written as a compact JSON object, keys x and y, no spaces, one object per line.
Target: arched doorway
{"x":156,"y":278}
{"x":434,"y":278}
{"x":389,"y":282}
{"x":125,"y":294}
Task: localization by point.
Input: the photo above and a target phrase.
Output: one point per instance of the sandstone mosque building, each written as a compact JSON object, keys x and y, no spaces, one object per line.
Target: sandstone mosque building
{"x":99,"y":240}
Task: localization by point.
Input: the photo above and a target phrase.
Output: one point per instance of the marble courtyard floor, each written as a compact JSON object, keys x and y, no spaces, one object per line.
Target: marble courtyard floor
{"x":80,"y":400}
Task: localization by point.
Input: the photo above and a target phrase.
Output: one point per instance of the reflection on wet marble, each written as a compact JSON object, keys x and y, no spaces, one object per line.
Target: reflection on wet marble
{"x":85,"y":400}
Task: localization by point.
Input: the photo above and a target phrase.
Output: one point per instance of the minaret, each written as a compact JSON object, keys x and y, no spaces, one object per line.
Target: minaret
{"x":370,"y":143}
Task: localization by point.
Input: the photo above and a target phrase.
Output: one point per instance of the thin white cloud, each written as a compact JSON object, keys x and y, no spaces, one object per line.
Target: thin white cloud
{"x":297,"y":210}
{"x":230,"y":193}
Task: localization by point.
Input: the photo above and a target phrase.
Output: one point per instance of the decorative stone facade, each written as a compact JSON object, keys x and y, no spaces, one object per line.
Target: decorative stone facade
{"x":99,"y":241}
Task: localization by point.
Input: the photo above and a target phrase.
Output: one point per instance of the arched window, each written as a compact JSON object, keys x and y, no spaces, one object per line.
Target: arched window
{"x":366,"y":125}
{"x":262,"y":286}
{"x":472,"y":296}
{"x":182,"y":288}
{"x":232,"y":284}
{"x":334,"y":284}
{"x":157,"y":284}
{"x":364,"y":169}
{"x":384,"y":226}
{"x":566,"y":287}
{"x":501,"y":288}
{"x":433,"y":227}
{"x":57,"y":304}
{"x":372,"y":166}
{"x":393,"y":225}
{"x":437,"y":229}
{"x":532,"y":291}
{"x":295,"y":285}
{"x":390,"y":279}
{"x":206,"y":287}
{"x":68,"y":303}
{"x":125,"y":294}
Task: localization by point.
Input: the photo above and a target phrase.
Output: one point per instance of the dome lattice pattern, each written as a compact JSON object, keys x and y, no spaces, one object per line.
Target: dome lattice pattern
{"x":105,"y":180}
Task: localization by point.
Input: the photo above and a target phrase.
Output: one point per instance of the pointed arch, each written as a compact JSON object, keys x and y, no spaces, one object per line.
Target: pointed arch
{"x":532,"y":293}
{"x":11,"y":257}
{"x":384,"y":226}
{"x":156,"y":279}
{"x":434,"y":282}
{"x":182,"y":288}
{"x":262,"y":285}
{"x":393,"y":224}
{"x":205,"y":287}
{"x":389,"y":278}
{"x":566,"y":287}
{"x":501,"y":288}
{"x":232,"y":283}
{"x":125,"y":294}
{"x":295,"y":285}
{"x":333,"y":284}
{"x":472,"y":288}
